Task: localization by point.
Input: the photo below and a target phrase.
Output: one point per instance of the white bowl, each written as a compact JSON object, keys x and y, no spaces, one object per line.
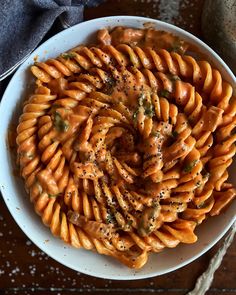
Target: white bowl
{"x":18,"y":202}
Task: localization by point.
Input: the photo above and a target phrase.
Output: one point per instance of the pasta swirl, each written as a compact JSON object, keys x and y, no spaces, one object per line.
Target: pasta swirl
{"x":124,"y":148}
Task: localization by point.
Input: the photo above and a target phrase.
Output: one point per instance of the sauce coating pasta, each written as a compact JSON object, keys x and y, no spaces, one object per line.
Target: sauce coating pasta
{"x":124,"y":146}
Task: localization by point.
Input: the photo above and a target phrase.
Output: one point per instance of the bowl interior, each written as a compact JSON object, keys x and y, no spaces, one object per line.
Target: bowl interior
{"x":18,"y":201}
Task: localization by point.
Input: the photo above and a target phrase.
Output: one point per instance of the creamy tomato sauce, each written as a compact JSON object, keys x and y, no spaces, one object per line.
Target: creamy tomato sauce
{"x":142,"y":37}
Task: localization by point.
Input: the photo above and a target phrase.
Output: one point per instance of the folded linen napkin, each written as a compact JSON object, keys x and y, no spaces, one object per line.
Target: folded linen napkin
{"x":23,"y":24}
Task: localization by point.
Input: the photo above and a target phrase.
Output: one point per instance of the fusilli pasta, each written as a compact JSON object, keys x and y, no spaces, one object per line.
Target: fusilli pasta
{"x":124,"y":146}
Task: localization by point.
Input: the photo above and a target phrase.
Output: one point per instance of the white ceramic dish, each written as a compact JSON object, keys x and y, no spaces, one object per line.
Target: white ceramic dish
{"x":18,"y":202}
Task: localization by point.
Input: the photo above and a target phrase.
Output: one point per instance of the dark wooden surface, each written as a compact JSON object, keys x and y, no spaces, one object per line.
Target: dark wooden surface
{"x":25,"y":269}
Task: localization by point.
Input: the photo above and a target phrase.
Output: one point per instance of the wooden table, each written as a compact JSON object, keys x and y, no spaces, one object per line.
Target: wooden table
{"x":24,"y":269}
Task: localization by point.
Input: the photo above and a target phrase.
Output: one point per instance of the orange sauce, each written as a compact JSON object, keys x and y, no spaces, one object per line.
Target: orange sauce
{"x":142,"y":37}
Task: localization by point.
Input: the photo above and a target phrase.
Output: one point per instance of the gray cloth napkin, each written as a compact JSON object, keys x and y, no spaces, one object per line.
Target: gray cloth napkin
{"x":23,"y":24}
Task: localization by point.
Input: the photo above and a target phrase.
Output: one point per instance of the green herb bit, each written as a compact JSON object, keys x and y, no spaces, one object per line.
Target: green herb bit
{"x":111,"y":81}
{"x":149,"y":111}
{"x":164,"y":93}
{"x":156,"y":134}
{"x":205,"y":173}
{"x":174,"y":78}
{"x":148,"y":220}
{"x":198,"y":183}
{"x":110,"y":218}
{"x":201,"y":205}
{"x":148,"y":107}
{"x":109,"y":86}
{"x":59,"y":123}
{"x":55,"y":106}
{"x":188,"y":167}
{"x":130,"y":222}
{"x":178,"y":46}
{"x":135,"y":114}
{"x":68,"y":55}
{"x":175,"y":134}
{"x":141,"y":99}
{"x":53,"y":196}
{"x":155,"y":204}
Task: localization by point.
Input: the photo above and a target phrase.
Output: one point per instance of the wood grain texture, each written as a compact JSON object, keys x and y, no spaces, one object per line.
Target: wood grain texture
{"x":185,"y":14}
{"x":25,"y":269}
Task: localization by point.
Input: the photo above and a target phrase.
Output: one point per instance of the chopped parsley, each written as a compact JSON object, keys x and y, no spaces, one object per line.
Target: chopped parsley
{"x":149,"y":111}
{"x":188,"y":167}
{"x":201,"y":205}
{"x":141,"y":99}
{"x":53,"y":196}
{"x":205,"y":173}
{"x":110,"y":217}
{"x":68,"y":55}
{"x":198,"y":183}
{"x":130,"y":222}
{"x":174,"y":78}
{"x":55,"y":106}
{"x":135,"y":114}
{"x":60,"y":124}
{"x":148,"y":107}
{"x":155,"y":203}
{"x":164,"y":93}
{"x":175,"y":134}
{"x":175,"y":48}
{"x":178,"y":46}
{"x":147,"y":221}
{"x":156,"y":134}
{"x":109,"y":86}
